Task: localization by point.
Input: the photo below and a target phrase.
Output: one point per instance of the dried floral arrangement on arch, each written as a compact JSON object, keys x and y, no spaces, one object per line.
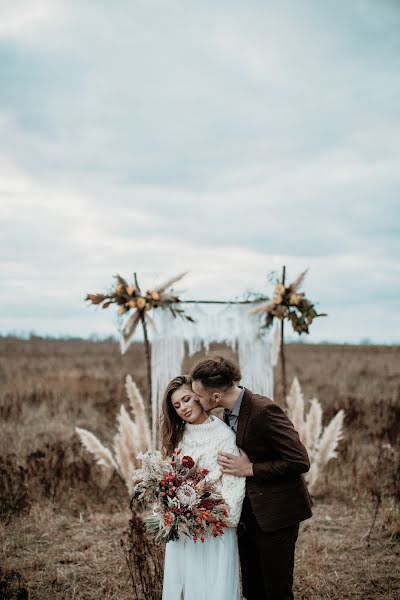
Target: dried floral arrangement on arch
{"x":290,"y":304}
{"x":129,"y":297}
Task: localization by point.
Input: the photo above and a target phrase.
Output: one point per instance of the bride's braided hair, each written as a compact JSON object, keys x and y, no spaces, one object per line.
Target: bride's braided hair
{"x":217,"y":373}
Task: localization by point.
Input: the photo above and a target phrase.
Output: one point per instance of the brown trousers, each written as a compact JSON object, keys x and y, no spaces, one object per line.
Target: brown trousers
{"x":267,"y":559}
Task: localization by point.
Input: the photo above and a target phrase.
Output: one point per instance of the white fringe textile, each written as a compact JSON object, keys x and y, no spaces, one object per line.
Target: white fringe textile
{"x":167,"y":354}
{"x":233,"y":325}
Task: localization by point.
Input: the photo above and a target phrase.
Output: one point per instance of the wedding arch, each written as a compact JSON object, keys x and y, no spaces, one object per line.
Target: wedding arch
{"x":253,"y":327}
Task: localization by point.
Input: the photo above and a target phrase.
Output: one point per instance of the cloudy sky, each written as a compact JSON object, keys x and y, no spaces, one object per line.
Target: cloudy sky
{"x":225,"y":138}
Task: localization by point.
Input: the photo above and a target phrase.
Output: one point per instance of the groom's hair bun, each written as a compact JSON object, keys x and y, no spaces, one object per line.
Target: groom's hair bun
{"x":217,"y":373}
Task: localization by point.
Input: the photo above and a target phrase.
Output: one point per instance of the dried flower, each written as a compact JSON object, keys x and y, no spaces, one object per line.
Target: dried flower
{"x":186,"y":495}
{"x":95,"y":298}
{"x":140,"y":302}
{"x":187,"y":461}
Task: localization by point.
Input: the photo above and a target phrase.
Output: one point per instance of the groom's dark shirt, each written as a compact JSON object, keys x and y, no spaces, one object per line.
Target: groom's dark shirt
{"x":231,"y":417}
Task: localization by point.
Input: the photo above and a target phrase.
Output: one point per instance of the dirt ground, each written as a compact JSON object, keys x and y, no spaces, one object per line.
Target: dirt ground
{"x":65,"y":556}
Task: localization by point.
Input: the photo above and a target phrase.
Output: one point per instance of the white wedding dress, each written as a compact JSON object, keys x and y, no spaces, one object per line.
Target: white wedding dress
{"x":208,"y":570}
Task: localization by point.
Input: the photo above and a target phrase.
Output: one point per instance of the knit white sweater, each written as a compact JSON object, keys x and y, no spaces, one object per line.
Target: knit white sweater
{"x":203,"y":443}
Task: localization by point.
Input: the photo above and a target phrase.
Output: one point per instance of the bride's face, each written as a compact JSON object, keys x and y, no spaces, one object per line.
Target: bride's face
{"x":187,"y":406}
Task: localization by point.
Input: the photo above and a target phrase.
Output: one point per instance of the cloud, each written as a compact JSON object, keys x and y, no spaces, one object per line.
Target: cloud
{"x":21,"y":19}
{"x":228,"y":139}
{"x":67,"y":248}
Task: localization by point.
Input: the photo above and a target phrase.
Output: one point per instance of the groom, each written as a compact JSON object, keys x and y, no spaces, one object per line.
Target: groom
{"x":273,"y":460}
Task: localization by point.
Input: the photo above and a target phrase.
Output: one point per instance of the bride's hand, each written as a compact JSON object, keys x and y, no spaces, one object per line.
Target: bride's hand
{"x":235,"y":465}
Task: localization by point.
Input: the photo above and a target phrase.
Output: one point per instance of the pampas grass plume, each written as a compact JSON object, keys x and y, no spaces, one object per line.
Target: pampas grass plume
{"x":128,"y":432}
{"x":295,"y":402}
{"x":298,"y":281}
{"x":313,"y":425}
{"x":139,"y":412}
{"x":132,"y":438}
{"x":333,"y":433}
{"x":321,"y":445}
{"x":167,"y":284}
{"x":126,"y":468}
{"x":102,"y":454}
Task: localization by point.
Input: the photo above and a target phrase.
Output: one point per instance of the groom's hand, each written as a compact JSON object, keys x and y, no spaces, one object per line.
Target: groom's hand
{"x":235,"y":465}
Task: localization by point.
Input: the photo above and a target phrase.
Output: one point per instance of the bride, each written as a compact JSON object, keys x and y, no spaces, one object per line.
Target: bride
{"x":196,"y":570}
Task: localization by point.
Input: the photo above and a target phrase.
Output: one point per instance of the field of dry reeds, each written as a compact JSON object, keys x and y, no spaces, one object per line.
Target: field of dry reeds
{"x":61,"y":529}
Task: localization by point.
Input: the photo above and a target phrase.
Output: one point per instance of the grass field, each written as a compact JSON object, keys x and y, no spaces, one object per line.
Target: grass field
{"x":60,"y":531}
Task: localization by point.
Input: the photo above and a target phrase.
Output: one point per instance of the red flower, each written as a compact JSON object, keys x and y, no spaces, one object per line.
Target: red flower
{"x":187,"y":461}
{"x":205,"y":471}
{"x":177,"y":452}
{"x":207,"y":504}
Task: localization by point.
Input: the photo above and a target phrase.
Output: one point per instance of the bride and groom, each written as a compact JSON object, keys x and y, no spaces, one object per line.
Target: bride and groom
{"x":257,"y":460}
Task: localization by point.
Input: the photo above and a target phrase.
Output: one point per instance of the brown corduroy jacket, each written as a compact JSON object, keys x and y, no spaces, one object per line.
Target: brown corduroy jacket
{"x":277,"y":492}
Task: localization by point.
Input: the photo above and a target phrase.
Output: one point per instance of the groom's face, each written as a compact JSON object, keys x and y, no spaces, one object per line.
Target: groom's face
{"x":207,"y":398}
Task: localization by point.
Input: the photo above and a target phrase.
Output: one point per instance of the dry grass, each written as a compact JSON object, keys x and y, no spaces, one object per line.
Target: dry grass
{"x":65,"y":556}
{"x":60,"y":532}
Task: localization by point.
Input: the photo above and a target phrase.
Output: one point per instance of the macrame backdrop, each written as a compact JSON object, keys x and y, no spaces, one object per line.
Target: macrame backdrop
{"x":167,"y":354}
{"x":231,"y":324}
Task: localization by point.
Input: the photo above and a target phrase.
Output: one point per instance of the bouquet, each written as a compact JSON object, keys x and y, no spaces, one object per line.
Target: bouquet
{"x":183,"y":501}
